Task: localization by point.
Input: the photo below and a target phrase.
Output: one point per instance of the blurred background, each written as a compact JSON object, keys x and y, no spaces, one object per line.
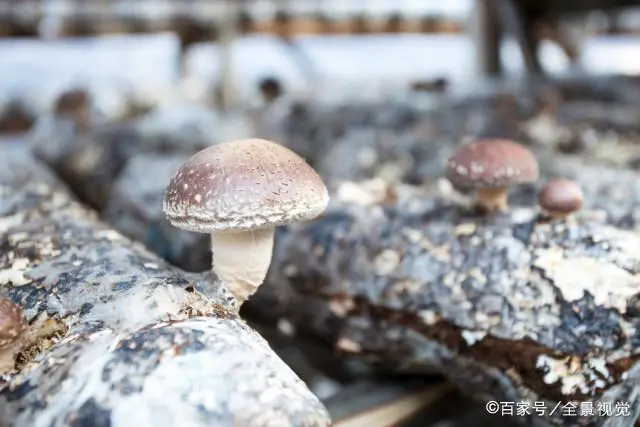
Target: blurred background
{"x":115,"y":94}
{"x":150,"y":51}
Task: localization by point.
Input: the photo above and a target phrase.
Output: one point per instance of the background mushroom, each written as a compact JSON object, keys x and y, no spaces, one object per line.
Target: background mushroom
{"x":491,"y":167}
{"x":561,"y":197}
{"x":12,"y":325}
{"x":239,"y":191}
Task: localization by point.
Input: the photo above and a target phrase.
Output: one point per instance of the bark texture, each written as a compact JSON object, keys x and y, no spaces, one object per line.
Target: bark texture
{"x":509,"y":307}
{"x":123,"y":338}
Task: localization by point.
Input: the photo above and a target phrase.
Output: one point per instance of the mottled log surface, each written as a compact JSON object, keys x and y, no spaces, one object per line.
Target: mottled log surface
{"x":125,"y":168}
{"x":135,"y":209}
{"x":134,"y":206}
{"x":90,"y":160}
{"x":406,"y":139}
{"x":509,"y":307}
{"x":122,"y":338}
{"x":587,"y":131}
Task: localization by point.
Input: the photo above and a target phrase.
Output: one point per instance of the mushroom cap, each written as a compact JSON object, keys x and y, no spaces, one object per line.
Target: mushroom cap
{"x":491,"y":163}
{"x":245,"y":184}
{"x":11,"y":322}
{"x":561,"y":195}
{"x":72,"y":101}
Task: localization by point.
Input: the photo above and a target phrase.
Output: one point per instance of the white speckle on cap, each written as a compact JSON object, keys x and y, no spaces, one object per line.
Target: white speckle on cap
{"x":476,"y":167}
{"x":461,"y":170}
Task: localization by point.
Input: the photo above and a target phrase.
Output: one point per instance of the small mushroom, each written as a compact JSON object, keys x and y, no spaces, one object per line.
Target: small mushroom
{"x":239,"y":191}
{"x":561,"y":197}
{"x":12,"y":325}
{"x":75,"y":104}
{"x":491,"y":167}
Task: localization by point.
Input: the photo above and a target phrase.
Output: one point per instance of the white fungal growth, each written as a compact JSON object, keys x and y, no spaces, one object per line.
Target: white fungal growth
{"x":13,"y":277}
{"x":573,"y":374}
{"x":365,"y":193}
{"x":348,"y":345}
{"x":429,"y":317}
{"x":109,"y":235}
{"x":610,"y":285}
{"x":386,"y":261}
{"x":20,"y":263}
{"x":472,"y":337}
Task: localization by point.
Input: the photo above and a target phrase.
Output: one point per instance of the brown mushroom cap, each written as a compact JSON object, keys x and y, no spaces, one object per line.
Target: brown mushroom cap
{"x":72,"y":101}
{"x":491,"y":163}
{"x":245,"y":184}
{"x":562,"y":196}
{"x":11,"y":322}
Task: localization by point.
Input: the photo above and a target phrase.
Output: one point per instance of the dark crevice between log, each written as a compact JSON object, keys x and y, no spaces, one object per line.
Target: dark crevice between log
{"x":517,"y":357}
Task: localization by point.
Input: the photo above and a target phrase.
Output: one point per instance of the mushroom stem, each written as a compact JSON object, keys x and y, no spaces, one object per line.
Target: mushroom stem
{"x":241,"y":259}
{"x":492,"y":199}
{"x":7,"y":360}
{"x":557,"y":215}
